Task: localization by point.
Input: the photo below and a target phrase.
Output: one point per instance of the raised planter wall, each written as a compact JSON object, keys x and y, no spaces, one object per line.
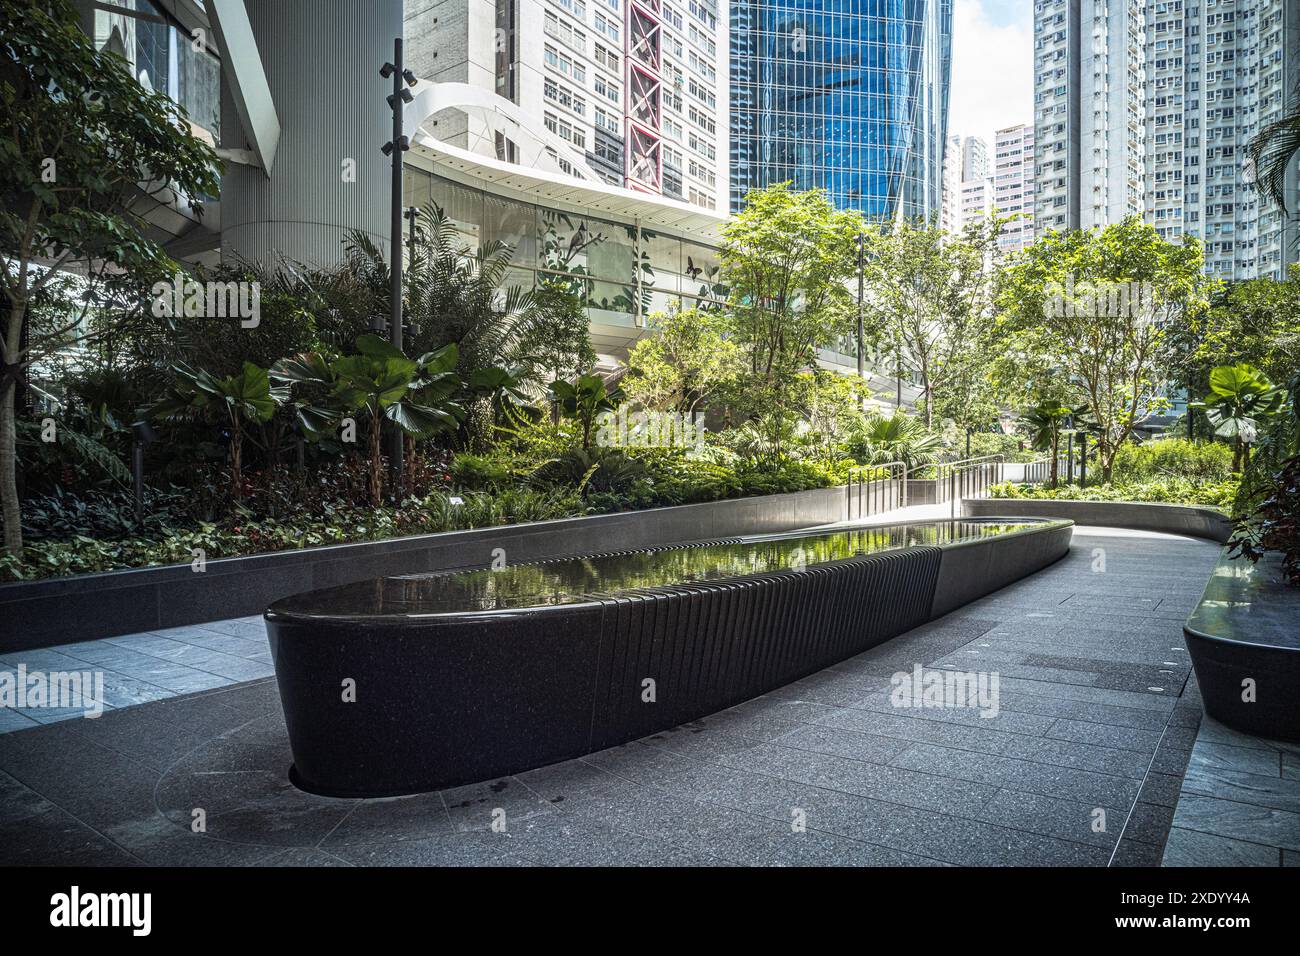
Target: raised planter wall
{"x":1190,"y":520}
{"x":1244,"y":639}
{"x":91,"y":606}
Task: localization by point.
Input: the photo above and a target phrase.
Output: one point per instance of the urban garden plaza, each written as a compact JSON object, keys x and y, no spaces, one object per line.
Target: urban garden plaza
{"x":650,"y":433}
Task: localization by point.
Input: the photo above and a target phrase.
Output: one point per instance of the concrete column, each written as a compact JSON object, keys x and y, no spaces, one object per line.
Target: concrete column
{"x":322,"y":60}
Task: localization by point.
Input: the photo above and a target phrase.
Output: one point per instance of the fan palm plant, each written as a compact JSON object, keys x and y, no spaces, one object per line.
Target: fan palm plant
{"x":897,"y":437}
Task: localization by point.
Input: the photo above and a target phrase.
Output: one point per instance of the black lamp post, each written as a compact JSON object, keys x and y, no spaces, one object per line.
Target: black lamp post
{"x":402,"y":79}
{"x":142,"y":434}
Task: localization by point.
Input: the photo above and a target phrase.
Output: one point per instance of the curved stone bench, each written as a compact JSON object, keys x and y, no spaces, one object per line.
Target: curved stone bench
{"x":1192,"y":520}
{"x":417,"y":682}
{"x":1244,"y":639}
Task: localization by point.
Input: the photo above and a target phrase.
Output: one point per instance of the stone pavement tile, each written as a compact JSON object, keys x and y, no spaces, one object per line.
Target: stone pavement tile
{"x":1170,"y":760}
{"x":564,"y":781}
{"x":1133,"y":853}
{"x":639,"y":762}
{"x":55,"y":837}
{"x":1149,"y":823}
{"x":738,"y":837}
{"x":1291,"y":766}
{"x":251,"y":699}
{"x":1107,"y":714}
{"x":249,"y":629}
{"x":821,"y":738}
{"x":1290,"y":858}
{"x":1160,"y":789}
{"x":1079,"y":756}
{"x":1238,"y":821}
{"x":1255,"y":789}
{"x":1103,"y":735}
{"x":1193,"y":848}
{"x":480,"y":805}
{"x":1241,"y":759}
{"x":1051,"y":816}
{"x":1004,"y":772}
{"x":472,"y":848}
{"x":299,"y":856}
{"x":755,"y":726}
{"x":12,"y":720}
{"x":390,"y":819}
{"x":900,"y":785}
{"x":699,"y":741}
{"x":909,"y":726}
{"x":161,"y":842}
{"x":965,"y":842}
{"x":1216,"y":733}
{"x":18,"y":801}
{"x":567,"y":842}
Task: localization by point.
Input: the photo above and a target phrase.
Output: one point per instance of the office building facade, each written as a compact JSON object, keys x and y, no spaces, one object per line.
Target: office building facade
{"x":851,"y":98}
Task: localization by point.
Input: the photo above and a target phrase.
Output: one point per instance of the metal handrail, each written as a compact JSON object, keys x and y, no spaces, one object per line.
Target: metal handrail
{"x":868,"y":493}
{"x":973,"y":475}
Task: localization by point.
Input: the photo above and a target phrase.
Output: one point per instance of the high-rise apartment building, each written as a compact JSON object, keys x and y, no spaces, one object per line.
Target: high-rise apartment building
{"x":849,"y":97}
{"x":1147,"y":107}
{"x":967,"y":189}
{"x":1013,"y":185}
{"x":1219,"y":72}
{"x":630,"y":92}
{"x":1089,"y":111}
{"x":950,"y":208}
{"x":974,"y":158}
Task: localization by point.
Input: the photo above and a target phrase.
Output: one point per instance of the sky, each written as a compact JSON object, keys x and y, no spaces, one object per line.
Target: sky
{"x":992,"y":66}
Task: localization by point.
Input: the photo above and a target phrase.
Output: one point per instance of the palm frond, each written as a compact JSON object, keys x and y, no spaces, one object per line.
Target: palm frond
{"x":1271,"y":151}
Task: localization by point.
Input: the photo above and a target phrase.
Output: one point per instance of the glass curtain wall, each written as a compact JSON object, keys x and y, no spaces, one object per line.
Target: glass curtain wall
{"x":623,"y":274}
{"x":849,"y":97}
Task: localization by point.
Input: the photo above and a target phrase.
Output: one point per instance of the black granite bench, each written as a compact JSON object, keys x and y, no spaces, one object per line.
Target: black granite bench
{"x":416,"y":682}
{"x":1244,"y":639}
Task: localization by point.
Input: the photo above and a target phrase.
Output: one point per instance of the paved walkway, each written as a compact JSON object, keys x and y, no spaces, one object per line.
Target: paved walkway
{"x":1082,"y":764}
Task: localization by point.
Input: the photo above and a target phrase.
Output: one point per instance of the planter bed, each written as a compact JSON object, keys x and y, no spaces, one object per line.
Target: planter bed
{"x":87,"y":607}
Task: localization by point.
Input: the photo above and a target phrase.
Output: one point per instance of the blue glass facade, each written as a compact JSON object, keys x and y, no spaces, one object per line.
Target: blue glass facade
{"x":847,"y":95}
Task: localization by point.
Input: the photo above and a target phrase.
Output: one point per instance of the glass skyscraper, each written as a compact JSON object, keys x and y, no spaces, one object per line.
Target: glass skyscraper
{"x":847,"y":95}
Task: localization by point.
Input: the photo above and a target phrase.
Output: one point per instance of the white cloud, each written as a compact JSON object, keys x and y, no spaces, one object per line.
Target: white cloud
{"x":992,"y":70}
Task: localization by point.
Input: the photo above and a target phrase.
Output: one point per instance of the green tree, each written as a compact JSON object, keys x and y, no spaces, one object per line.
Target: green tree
{"x":1254,"y":321}
{"x":786,"y":261}
{"x":79,"y":139}
{"x":1090,"y":311}
{"x":934,"y":294}
{"x":683,"y":364}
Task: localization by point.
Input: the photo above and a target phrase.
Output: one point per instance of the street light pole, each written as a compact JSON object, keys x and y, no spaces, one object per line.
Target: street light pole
{"x":402,"y":79}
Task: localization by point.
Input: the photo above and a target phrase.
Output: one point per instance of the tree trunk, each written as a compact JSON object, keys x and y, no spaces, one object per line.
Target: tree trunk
{"x":376,"y":465}
{"x":13,"y":541}
{"x":236,"y":461}
{"x":1055,"y":441}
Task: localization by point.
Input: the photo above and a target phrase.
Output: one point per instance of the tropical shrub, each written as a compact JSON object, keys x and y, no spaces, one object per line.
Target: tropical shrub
{"x":1215,"y":494}
{"x":1275,"y":524}
{"x":1174,"y":457}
